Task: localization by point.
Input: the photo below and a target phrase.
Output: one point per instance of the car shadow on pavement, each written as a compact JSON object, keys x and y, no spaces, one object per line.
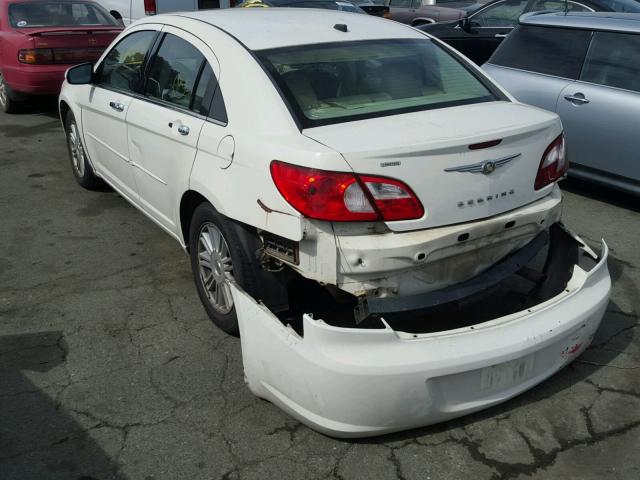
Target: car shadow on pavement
{"x":38,"y":439}
{"x":593,"y":359}
{"x":45,"y":105}
{"x":601,"y":193}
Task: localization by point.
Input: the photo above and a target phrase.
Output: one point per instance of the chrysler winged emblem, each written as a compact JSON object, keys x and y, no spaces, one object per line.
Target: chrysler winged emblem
{"x":486,"y":167}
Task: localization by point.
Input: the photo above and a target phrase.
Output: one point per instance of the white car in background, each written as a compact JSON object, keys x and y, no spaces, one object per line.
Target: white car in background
{"x":128,"y":11}
{"x":363,"y":204}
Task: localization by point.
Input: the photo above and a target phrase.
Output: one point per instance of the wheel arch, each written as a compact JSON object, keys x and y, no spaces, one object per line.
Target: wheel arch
{"x":64,"y":109}
{"x":274,"y":291}
{"x":422,"y":21}
{"x":188,"y":204}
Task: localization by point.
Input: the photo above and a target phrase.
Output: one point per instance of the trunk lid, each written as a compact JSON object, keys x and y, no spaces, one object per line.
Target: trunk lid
{"x":73,"y":45}
{"x":429,"y":151}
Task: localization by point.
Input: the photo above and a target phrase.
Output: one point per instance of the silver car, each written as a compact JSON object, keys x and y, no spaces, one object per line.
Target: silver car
{"x":586,"y":68}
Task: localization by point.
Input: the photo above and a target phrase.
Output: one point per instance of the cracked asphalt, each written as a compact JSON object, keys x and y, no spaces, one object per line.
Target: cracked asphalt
{"x":110,"y":369}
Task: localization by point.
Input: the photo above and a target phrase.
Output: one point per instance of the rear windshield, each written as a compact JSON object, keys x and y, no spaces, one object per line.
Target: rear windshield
{"x":340,"y":82}
{"x":58,"y":14}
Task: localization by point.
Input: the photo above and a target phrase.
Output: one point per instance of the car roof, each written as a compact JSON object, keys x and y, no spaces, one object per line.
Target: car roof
{"x":613,"y":21}
{"x":264,"y":28}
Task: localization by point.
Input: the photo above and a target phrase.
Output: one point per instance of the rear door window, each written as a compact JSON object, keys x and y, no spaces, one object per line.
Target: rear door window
{"x":613,"y":60}
{"x":400,"y":3}
{"x":559,"y":6}
{"x":174,"y":72}
{"x":122,"y":68}
{"x":552,"y":51}
{"x":502,"y":14}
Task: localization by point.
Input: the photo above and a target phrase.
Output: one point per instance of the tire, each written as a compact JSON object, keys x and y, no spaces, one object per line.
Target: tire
{"x":227,"y":258}
{"x":8,"y":104}
{"x":80,"y":166}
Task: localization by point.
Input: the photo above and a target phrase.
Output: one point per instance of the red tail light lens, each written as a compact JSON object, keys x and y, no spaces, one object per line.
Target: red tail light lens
{"x":36,"y":56}
{"x":344,"y":197}
{"x":554,"y":163}
{"x":149,"y":7}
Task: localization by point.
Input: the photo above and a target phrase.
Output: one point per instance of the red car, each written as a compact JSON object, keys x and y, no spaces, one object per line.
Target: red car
{"x":41,"y":39}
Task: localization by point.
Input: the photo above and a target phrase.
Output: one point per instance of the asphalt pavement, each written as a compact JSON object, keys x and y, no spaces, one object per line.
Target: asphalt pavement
{"x":109,"y":367}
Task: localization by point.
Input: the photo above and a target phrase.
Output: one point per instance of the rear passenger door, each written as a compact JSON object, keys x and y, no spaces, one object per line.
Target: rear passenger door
{"x":403,"y":11}
{"x":165,"y":123}
{"x":601,"y":111}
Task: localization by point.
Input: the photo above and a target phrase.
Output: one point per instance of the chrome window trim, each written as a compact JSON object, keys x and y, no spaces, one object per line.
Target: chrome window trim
{"x":532,"y":72}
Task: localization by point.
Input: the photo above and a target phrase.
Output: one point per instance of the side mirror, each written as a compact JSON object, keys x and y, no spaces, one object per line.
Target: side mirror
{"x":428,"y":3}
{"x":465,"y":24}
{"x":80,"y":74}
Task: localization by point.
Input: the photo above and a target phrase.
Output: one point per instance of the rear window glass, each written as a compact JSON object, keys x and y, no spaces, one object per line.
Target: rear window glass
{"x":552,"y":51}
{"x":339,"y":82}
{"x":58,"y":14}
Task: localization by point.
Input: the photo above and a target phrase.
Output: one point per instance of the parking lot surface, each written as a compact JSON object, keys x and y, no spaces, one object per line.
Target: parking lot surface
{"x":109,"y":367}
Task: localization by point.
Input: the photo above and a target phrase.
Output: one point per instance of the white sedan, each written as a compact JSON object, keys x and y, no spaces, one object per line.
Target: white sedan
{"x":362,"y":203}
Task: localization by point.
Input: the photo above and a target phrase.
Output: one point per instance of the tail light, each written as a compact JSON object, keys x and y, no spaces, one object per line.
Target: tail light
{"x":344,"y":197}
{"x":554,"y":163}
{"x":386,"y":14}
{"x":36,"y":56}
{"x":149,"y":7}
{"x":67,"y":56}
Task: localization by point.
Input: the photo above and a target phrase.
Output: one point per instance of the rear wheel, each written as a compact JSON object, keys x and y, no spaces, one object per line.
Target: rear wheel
{"x":82,"y":170}
{"x":217,"y":256}
{"x":8,"y":104}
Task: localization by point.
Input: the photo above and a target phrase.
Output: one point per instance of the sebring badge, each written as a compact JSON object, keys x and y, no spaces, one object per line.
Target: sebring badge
{"x":486,"y":167}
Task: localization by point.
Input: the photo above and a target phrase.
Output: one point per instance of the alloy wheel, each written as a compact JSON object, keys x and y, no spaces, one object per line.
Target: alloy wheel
{"x":76,"y":149}
{"x":214,"y":262}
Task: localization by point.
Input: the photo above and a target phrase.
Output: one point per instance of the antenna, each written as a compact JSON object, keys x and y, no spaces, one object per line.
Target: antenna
{"x":566,"y":7}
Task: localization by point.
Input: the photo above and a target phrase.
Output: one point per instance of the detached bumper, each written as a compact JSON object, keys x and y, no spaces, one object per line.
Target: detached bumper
{"x":351,"y":382}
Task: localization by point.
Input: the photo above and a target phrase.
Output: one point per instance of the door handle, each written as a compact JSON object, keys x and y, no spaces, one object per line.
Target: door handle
{"x":183,"y":130}
{"x":501,"y":35}
{"x":117,"y":106}
{"x":576,"y":98}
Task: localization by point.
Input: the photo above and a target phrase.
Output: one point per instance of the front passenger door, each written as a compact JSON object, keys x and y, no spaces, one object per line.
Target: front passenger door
{"x":601,"y":111}
{"x":105,"y":109}
{"x":164,"y":126}
{"x":486,"y":29}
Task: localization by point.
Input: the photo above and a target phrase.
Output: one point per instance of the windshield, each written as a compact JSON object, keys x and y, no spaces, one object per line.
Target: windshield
{"x":339,"y":82}
{"x":58,"y":14}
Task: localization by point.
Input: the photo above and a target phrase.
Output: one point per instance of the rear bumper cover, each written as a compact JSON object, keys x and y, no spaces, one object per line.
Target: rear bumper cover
{"x":36,"y":79}
{"x":350,"y":382}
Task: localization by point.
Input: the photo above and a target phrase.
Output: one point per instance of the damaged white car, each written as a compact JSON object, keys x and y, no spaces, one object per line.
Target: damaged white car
{"x":376,"y":216}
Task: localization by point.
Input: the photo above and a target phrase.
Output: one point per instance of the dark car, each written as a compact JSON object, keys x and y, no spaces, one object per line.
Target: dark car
{"x":480,"y":33}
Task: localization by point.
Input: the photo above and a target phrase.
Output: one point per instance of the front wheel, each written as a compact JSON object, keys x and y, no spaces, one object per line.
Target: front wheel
{"x":217,"y":256}
{"x":82,"y":170}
